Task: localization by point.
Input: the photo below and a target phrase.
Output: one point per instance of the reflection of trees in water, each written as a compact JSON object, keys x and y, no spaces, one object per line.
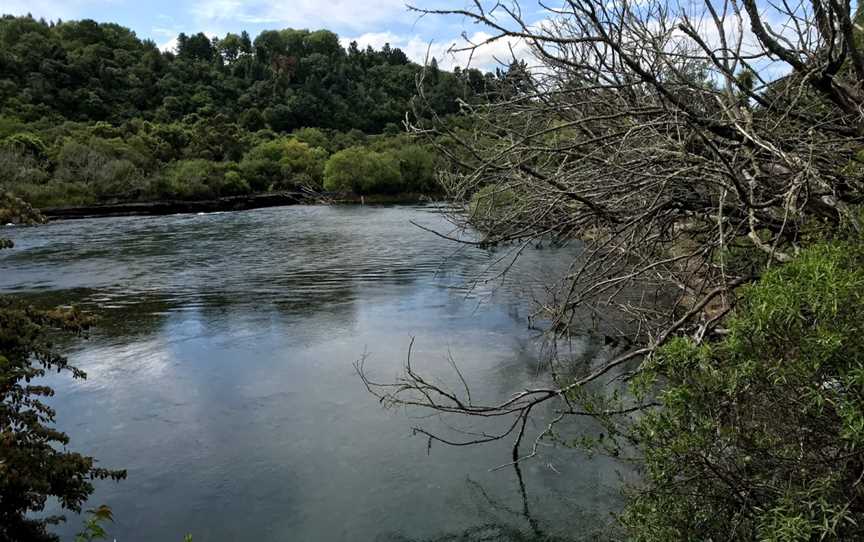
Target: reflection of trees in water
{"x":509,"y":524}
{"x":128,"y":316}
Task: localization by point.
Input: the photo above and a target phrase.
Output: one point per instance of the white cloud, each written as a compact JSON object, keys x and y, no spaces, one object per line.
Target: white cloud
{"x":301,"y":13}
{"x":170,"y":45}
{"x":447,"y":53}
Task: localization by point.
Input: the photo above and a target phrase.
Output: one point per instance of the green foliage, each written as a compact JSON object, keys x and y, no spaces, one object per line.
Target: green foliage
{"x":200,"y":179}
{"x":93,"y":529}
{"x":362,"y":171}
{"x":760,"y":436}
{"x":489,"y":202}
{"x":282,"y":164}
{"x":35,"y":462}
{"x":90,"y":114}
{"x":417,"y":166}
{"x":17,"y":167}
{"x":28,"y":144}
{"x":89,"y":71}
{"x":313,"y":137}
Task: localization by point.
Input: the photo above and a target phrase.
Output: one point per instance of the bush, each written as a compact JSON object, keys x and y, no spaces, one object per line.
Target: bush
{"x":234,"y":185}
{"x":760,"y":436}
{"x":313,"y":137}
{"x":28,"y":144}
{"x":282,"y":164}
{"x":200,"y":179}
{"x":417,"y":165}
{"x":99,"y":165}
{"x":35,"y":461}
{"x":17,"y":167}
{"x":362,"y":171}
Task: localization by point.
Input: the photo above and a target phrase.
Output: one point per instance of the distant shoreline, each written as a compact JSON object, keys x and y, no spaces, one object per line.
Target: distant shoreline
{"x":233,"y":203}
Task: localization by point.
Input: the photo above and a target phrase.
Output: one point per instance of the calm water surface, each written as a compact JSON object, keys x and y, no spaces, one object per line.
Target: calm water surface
{"x":220,"y":375}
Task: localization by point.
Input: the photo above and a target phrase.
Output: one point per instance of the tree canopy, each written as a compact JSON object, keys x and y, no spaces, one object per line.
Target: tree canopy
{"x":286,"y":79}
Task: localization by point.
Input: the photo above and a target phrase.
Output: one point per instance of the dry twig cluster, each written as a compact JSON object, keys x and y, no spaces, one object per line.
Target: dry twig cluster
{"x":687,"y":145}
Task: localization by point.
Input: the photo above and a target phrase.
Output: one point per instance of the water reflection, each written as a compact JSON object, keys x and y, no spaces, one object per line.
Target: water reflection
{"x":502,"y":522}
{"x":220,"y":375}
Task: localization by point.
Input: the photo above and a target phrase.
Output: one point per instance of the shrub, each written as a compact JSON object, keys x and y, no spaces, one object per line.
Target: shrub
{"x":28,"y":144}
{"x":35,"y":462}
{"x":362,"y":171}
{"x":102,"y":167}
{"x":760,"y":436}
{"x":417,"y":165}
{"x":314,"y":137}
{"x":18,"y":167}
{"x":234,"y":185}
{"x":283,"y":163}
{"x":200,"y":179}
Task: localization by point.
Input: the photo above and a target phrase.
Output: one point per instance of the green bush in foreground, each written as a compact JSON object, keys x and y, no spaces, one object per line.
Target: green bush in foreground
{"x":760,"y":436}
{"x":34,"y":461}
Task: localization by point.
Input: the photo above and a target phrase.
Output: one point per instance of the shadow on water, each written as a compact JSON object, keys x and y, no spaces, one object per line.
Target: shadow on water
{"x":505,"y":523}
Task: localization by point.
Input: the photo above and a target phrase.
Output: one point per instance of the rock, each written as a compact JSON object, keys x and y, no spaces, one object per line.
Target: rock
{"x":14,"y":210}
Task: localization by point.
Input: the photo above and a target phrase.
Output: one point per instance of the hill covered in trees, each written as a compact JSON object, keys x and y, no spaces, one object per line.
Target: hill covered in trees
{"x":286,"y":79}
{"x":89,"y":112}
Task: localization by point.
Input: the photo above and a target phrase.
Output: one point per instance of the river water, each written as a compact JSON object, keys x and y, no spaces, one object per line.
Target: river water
{"x":220,"y":375}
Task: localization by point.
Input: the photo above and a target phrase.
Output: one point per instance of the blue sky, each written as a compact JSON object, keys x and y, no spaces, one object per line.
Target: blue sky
{"x":370,"y":22}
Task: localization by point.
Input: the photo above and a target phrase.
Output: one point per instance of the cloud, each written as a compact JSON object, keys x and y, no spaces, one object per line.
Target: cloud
{"x":446,"y":52}
{"x":302,"y":13}
{"x":170,"y":45}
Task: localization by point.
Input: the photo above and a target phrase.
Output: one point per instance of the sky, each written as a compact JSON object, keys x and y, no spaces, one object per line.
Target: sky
{"x":369,"y":22}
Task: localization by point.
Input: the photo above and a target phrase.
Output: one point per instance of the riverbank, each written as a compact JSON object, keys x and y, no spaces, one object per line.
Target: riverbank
{"x":234,"y":203}
{"x":169,"y":207}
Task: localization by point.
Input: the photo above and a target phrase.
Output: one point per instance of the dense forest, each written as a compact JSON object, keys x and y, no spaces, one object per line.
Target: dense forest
{"x":89,"y":112}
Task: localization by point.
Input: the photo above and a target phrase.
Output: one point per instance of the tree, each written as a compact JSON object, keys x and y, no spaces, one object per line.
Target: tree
{"x":362,"y":171}
{"x":759,"y":436}
{"x":283,"y":163}
{"x":230,"y":47}
{"x":197,"y":47}
{"x":90,"y":113}
{"x":34,"y":461}
{"x":691,"y":147}
{"x":417,"y":167}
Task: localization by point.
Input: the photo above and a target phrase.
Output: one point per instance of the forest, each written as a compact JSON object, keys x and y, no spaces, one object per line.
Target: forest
{"x":90,"y":113}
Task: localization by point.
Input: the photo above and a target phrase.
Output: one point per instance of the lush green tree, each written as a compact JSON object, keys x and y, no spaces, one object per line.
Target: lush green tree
{"x":197,"y":47}
{"x":200,"y":179}
{"x":759,"y":436}
{"x":283,"y":163}
{"x":418,"y":168}
{"x":89,"y":113}
{"x":28,"y":144}
{"x":89,"y":71}
{"x":362,"y":171}
{"x":314,"y":137}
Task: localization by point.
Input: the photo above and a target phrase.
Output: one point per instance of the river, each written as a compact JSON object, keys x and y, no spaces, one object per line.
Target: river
{"x":220,"y":375}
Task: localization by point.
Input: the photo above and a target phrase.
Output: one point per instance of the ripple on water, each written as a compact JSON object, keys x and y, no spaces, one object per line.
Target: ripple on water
{"x":220,"y":372}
